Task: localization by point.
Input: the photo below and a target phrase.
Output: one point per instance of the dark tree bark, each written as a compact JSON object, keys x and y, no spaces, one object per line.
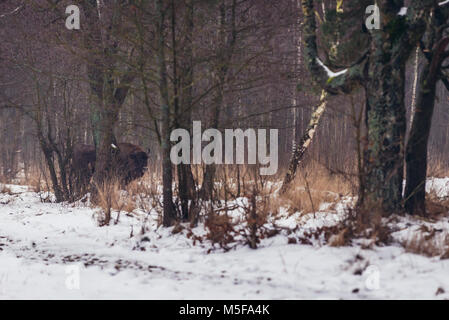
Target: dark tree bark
{"x":386,"y":123}
{"x":182,"y":87}
{"x":186,"y":178}
{"x":416,"y":152}
{"x":169,"y":217}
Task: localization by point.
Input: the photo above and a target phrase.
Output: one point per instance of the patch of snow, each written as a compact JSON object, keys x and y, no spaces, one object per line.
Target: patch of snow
{"x":438,"y":186}
{"x":403,"y":11}
{"x":330,"y":73}
{"x":42,"y":243}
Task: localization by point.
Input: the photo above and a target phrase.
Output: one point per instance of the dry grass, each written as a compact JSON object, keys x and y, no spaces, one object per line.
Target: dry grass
{"x":37,"y":182}
{"x":5,"y":189}
{"x":146,"y":196}
{"x":428,"y":243}
{"x":111,"y":198}
{"x":35,"y":178}
{"x":339,"y":239}
{"x":437,"y":169}
{"x":436,"y":208}
{"x":314,"y":186}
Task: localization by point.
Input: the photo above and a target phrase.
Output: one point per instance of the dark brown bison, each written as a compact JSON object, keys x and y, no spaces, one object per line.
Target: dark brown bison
{"x":129,"y":163}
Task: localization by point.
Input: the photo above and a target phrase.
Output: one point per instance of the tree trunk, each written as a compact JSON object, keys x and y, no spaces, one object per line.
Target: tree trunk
{"x":48,"y":154}
{"x":416,"y":153}
{"x":109,"y":90}
{"x":183,"y":99}
{"x":415,"y":85}
{"x":227,"y":38}
{"x":207,"y":188}
{"x":386,"y":124}
{"x":104,"y":151}
{"x":169,"y":217}
{"x":382,"y":73}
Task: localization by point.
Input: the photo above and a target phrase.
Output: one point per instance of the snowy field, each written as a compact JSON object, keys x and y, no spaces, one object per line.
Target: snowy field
{"x":55,"y":251}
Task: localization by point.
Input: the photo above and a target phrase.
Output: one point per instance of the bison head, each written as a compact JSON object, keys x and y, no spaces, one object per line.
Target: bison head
{"x":138,"y":162}
{"x":132,"y":162}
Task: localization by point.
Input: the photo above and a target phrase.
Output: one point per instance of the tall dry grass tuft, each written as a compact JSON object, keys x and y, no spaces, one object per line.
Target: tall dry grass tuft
{"x":110,"y":198}
{"x":37,"y":181}
{"x":315,"y":185}
{"x":140,"y":195}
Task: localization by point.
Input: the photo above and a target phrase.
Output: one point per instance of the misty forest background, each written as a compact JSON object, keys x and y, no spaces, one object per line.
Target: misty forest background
{"x":138,"y":69}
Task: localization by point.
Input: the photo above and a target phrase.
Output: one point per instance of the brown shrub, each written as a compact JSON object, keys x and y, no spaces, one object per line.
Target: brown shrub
{"x":221,"y":230}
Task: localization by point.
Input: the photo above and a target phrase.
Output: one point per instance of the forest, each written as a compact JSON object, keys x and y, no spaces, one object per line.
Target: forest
{"x":224,"y":148}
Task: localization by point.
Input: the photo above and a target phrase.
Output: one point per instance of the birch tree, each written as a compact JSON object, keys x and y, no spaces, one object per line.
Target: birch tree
{"x":381,"y":72}
{"x":300,"y":148}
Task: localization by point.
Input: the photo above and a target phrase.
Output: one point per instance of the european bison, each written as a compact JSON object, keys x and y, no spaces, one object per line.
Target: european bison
{"x":129,"y":163}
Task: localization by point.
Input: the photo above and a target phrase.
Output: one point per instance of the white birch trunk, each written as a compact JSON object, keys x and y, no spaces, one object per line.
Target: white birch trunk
{"x":301,"y":147}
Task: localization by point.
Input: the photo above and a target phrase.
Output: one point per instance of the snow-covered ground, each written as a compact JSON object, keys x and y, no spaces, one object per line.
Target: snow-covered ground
{"x":56,"y":251}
